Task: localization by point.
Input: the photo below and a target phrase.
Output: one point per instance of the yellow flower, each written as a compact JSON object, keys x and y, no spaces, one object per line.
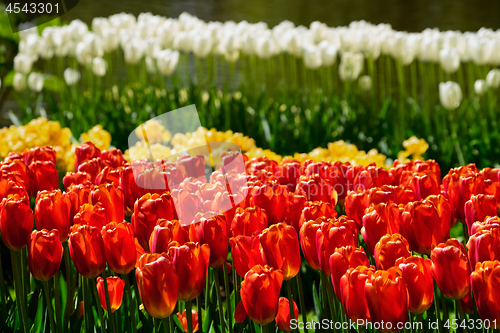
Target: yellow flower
{"x":97,"y":135}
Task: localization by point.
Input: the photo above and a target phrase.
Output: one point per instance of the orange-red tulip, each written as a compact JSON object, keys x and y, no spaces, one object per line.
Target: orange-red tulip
{"x":93,"y":215}
{"x":273,"y":198}
{"x":78,"y":196}
{"x":308,"y":233}
{"x":191,"y":264}
{"x":283,"y":317}
{"x":380,"y":220}
{"x":280,"y":244}
{"x":426,"y":223}
{"x":484,"y":246}
{"x":111,"y":199}
{"x":485,"y":282}
{"x":87,"y":250}
{"x":45,"y":153}
{"x":76,"y":178}
{"x":119,"y":245}
{"x":9,"y":186}
{"x":114,"y":157}
{"x":183,"y":319}
{"x":344,"y":258}
{"x":389,"y":249}
{"x":423,"y":183}
{"x":19,"y":170}
{"x":489,"y":223}
{"x":158,"y":285}
{"x":147,"y":210}
{"x":52,"y":211}
{"x":115,"y":292}
{"x":355,"y":204}
{"x":92,"y":167}
{"x":43,"y":176}
{"x":44,"y":254}
{"x":85,"y":152}
{"x":16,"y":221}
{"x":164,"y":233}
{"x":288,"y":173}
{"x":450,"y":269}
{"x":296,"y":204}
{"x":317,"y":189}
{"x":478,"y":208}
{"x":352,"y":292}
{"x":212,"y":231}
{"x":314,"y":209}
{"x":416,"y":272}
{"x":248,"y":221}
{"x":387,"y":298}
{"x":246,"y":253}
{"x":131,"y":191}
{"x":260,"y":291}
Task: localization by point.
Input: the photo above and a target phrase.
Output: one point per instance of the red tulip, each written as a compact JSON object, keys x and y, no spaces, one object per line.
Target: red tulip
{"x":87,"y":250}
{"x":248,"y":221}
{"x":44,"y":254}
{"x":119,"y":246}
{"x":344,"y":258}
{"x":450,"y":269}
{"x":296,"y":204}
{"x":16,"y":221}
{"x":314,"y":209}
{"x":41,"y":154}
{"x":114,"y":157}
{"x":111,"y":199}
{"x":280,"y":244}
{"x":288,"y":173}
{"x":85,"y":152}
{"x":246,"y":253}
{"x":423,"y":183}
{"x":387,"y":298}
{"x":380,"y":220}
{"x":389,"y":249}
{"x":20,"y":172}
{"x":76,"y":178}
{"x":317,"y":189}
{"x":183,"y":319}
{"x":489,"y":223}
{"x":43,"y":176}
{"x":92,"y":167}
{"x":478,"y":208}
{"x":166,"y":232}
{"x":78,"y":196}
{"x":115,"y":292}
{"x":416,"y":272}
{"x":93,"y":215}
{"x":485,"y":282}
{"x":131,"y":192}
{"x":283,"y":317}
{"x":158,"y":285}
{"x":273,"y":198}
{"x":352,"y":293}
{"x":484,"y":246}
{"x":308,"y":233}
{"x":52,"y":211}
{"x":212,"y":231}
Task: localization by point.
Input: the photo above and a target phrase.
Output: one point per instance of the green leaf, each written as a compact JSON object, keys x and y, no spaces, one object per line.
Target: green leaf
{"x":316,"y":300}
{"x":40,"y":314}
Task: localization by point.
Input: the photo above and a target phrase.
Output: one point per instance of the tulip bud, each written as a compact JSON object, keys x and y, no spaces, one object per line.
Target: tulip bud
{"x":119,"y":246}
{"x":71,"y":76}
{"x":272,"y":198}
{"x":485,"y":280}
{"x":99,"y":66}
{"x":449,"y":60}
{"x":450,"y":95}
{"x":87,"y":250}
{"x":283,"y":317}
{"x":328,"y":53}
{"x":158,"y":285}
{"x":478,"y":208}
{"x":115,"y":292}
{"x":248,"y":221}
{"x":312,"y":57}
{"x":52,"y":211}
{"x":246,"y":252}
{"x":110,"y":197}
{"x":351,"y":65}
{"x":44,"y":254}
{"x":167,"y":61}
{"x":43,"y":176}
{"x":22,"y":63}
{"x":450,"y":269}
{"x":480,"y":87}
{"x":380,"y":220}
{"x":365,"y":83}
{"x":416,"y":272}
{"x":16,"y":221}
{"x":493,"y":78}
{"x":212,"y":231}
{"x":19,"y":82}
{"x":183,"y":319}
{"x":35,"y":81}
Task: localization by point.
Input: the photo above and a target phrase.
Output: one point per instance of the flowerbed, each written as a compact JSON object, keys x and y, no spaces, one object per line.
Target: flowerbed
{"x":281,"y":235}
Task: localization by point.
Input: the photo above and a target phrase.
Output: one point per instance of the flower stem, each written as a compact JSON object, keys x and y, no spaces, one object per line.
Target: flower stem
{"x":290,"y":299}
{"x":93,"y":285}
{"x":462,"y":314}
{"x":45,"y":287}
{"x":301,"y":301}
{"x":219,"y":300}
{"x":19,"y":288}
{"x":189,"y":317}
{"x":130,"y":301}
{"x":111,"y":318}
{"x":166,"y":325}
{"x":228,"y":297}
{"x":58,"y":301}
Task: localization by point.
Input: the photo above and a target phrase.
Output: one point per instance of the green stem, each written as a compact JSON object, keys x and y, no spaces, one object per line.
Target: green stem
{"x":45,"y":287}
{"x":166,"y":325}
{"x":69,"y":287}
{"x":93,"y":286}
{"x":301,"y":301}
{"x":111,"y":318}
{"x":86,"y":303}
{"x":219,"y":300}
{"x":2,"y":293}
{"x":130,"y":301}
{"x":200,"y":316}
{"x":19,"y":288}
{"x":462,"y":314}
{"x":228,"y":297}
{"x":436,"y":308}
{"x":189,"y":317}
{"x":290,"y":299}
{"x":58,"y":301}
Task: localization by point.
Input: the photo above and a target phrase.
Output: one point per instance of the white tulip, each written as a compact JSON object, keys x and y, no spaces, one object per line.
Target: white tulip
{"x":19,"y":82}
{"x":493,"y":78}
{"x":202,"y":45}
{"x":71,"y":76}
{"x":35,"y":81}
{"x":265,"y":46}
{"x":150,"y":64}
{"x":167,"y":61}
{"x":110,"y":40}
{"x":480,"y":87}
{"x":22,"y":63}
{"x":99,"y":66}
{"x":82,"y":54}
{"x":94,"y":46}
{"x":450,"y":94}
{"x":449,"y":60}
{"x":480,"y":50}
{"x":365,"y":83}
{"x":351,"y":65}
{"x":312,"y":57}
{"x":182,"y":42}
{"x":429,"y":48}
{"x":134,"y":51}
{"x":328,"y":53}
{"x":152,"y":47}
{"x":78,"y":30}
{"x":30,"y":45}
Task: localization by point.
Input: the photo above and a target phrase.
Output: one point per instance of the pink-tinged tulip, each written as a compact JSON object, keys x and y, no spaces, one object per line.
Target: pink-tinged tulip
{"x":478,"y":208}
{"x":166,"y":232}
{"x":485,"y":282}
{"x":85,"y":152}
{"x":489,"y":223}
{"x":484,"y":246}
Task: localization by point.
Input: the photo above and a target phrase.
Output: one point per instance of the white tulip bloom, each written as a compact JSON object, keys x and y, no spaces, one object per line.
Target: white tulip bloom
{"x":312,"y":57}
{"x":94,"y":46}
{"x":22,"y":63}
{"x":167,"y":61}
{"x":82,"y":54}
{"x":78,"y":30}
{"x":134,"y":51}
{"x":150,"y":65}
{"x":328,"y":53}
{"x":450,"y":95}
{"x":202,"y":45}
{"x":35,"y":81}
{"x":99,"y":66}
{"x":480,"y":87}
{"x":265,"y":46}
{"x":351,"y":65}
{"x":71,"y":76}
{"x":19,"y":82}
{"x":493,"y":78}
{"x":449,"y":60}
{"x":110,"y":40}
{"x":365,"y":83}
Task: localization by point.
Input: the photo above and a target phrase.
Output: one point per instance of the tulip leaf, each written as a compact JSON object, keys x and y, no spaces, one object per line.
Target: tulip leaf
{"x":316,"y":300}
{"x":146,"y":324}
{"x":39,"y":317}
{"x":178,"y":323}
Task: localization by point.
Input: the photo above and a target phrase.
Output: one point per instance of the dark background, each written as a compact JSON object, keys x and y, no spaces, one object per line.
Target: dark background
{"x":405,"y":15}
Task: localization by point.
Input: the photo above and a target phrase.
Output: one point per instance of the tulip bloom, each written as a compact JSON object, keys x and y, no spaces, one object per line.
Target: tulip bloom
{"x":147,"y":210}
{"x":44,"y":254}
{"x":119,"y":246}
{"x":87,"y":250}
{"x":308,"y":233}
{"x":164,"y":233}
{"x":45,"y":153}
{"x":355,"y":204}
{"x":389,"y":249}
{"x":248,"y":221}
{"x":416,"y":272}
{"x":485,"y":281}
{"x":246,"y":253}
{"x":131,"y":191}
{"x":484,"y":246}
{"x":43,"y":176}
{"x":260,"y":291}
{"x":283,"y":317}
{"x":450,"y":268}
{"x":76,"y":178}
{"x":111,"y":199}
{"x":85,"y":152}
{"x":423,"y":183}
{"x":92,"y":167}
{"x":378,"y":221}
{"x":183,"y":319}
{"x":489,"y":223}
{"x":93,"y":215}
{"x":478,"y":208}
{"x":352,"y":292}
{"x":78,"y":196}
{"x":158,"y":285}
{"x":386,"y":296}
{"x":115,"y":291}
{"x":317,"y":189}
{"x":280,"y":244}
{"x":114,"y":157}
{"x":314,"y":209}
{"x":344,"y":258}
{"x":16,"y":221}
{"x":426,"y":223}
{"x":212,"y":231}
{"x":273,"y":198}
{"x":460,"y":184}
{"x":191,"y":264}
{"x":52,"y":211}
